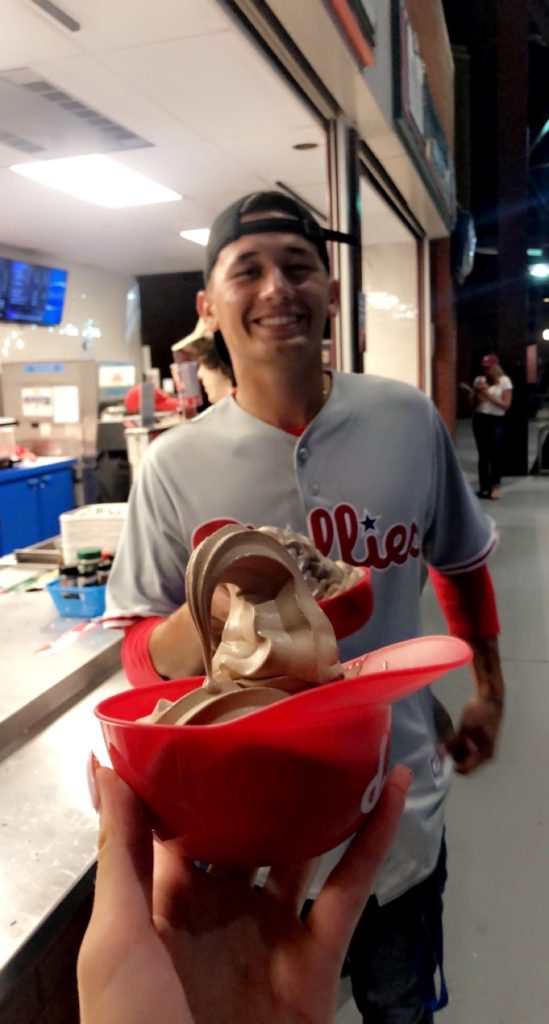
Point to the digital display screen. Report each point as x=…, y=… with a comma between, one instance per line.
x=115, y=380
x=116, y=375
x=31, y=294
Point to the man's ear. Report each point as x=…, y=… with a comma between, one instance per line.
x=205, y=309
x=333, y=299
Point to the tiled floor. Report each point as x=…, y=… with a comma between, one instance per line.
x=497, y=902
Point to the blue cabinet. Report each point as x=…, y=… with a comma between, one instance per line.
x=56, y=495
x=31, y=500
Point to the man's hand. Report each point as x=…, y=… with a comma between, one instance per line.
x=172, y=944
x=474, y=741
x=174, y=646
x=220, y=609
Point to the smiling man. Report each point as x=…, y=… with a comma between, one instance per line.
x=365, y=467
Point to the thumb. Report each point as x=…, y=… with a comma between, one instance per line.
x=121, y=908
x=123, y=888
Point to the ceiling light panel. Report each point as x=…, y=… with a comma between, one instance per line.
x=97, y=179
x=199, y=236
x=57, y=14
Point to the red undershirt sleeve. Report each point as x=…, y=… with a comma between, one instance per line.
x=136, y=659
x=468, y=602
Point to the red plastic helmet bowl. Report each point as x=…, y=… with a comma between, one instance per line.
x=282, y=784
x=351, y=609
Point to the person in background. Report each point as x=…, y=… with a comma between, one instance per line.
x=491, y=395
x=162, y=401
x=364, y=466
x=214, y=375
x=174, y=944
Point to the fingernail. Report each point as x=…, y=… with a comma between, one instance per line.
x=403, y=777
x=91, y=768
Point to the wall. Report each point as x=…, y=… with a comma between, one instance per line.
x=109, y=302
x=365, y=96
x=168, y=312
x=427, y=17
x=444, y=326
x=391, y=285
x=379, y=77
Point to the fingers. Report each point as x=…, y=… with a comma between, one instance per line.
x=175, y=878
x=464, y=753
x=245, y=876
x=290, y=883
x=469, y=758
x=336, y=912
x=470, y=748
x=220, y=604
x=124, y=862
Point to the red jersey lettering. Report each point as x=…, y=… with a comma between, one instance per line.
x=344, y=526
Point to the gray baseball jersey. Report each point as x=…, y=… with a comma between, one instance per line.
x=374, y=480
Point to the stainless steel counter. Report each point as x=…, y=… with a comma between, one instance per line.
x=48, y=828
x=54, y=672
x=46, y=660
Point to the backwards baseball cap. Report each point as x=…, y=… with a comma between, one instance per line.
x=298, y=220
x=199, y=334
x=490, y=360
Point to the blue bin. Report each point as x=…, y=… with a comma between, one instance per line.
x=77, y=602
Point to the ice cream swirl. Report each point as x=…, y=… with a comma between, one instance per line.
x=275, y=633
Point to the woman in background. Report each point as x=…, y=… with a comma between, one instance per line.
x=491, y=395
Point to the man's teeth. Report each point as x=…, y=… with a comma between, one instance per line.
x=278, y=321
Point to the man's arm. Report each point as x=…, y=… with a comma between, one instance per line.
x=468, y=602
x=139, y=666
x=174, y=644
x=478, y=729
x=158, y=648
x=147, y=582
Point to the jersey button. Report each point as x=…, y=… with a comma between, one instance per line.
x=303, y=454
x=314, y=489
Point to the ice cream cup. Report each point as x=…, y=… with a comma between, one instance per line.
x=351, y=609
x=284, y=783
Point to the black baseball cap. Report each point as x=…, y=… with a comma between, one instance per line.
x=228, y=225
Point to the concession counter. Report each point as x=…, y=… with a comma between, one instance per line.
x=54, y=671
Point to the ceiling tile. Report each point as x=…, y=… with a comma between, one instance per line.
x=197, y=171
x=106, y=91
x=218, y=85
x=107, y=25
x=28, y=35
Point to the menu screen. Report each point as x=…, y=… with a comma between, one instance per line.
x=30, y=293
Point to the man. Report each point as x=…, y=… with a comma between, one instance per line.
x=365, y=466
